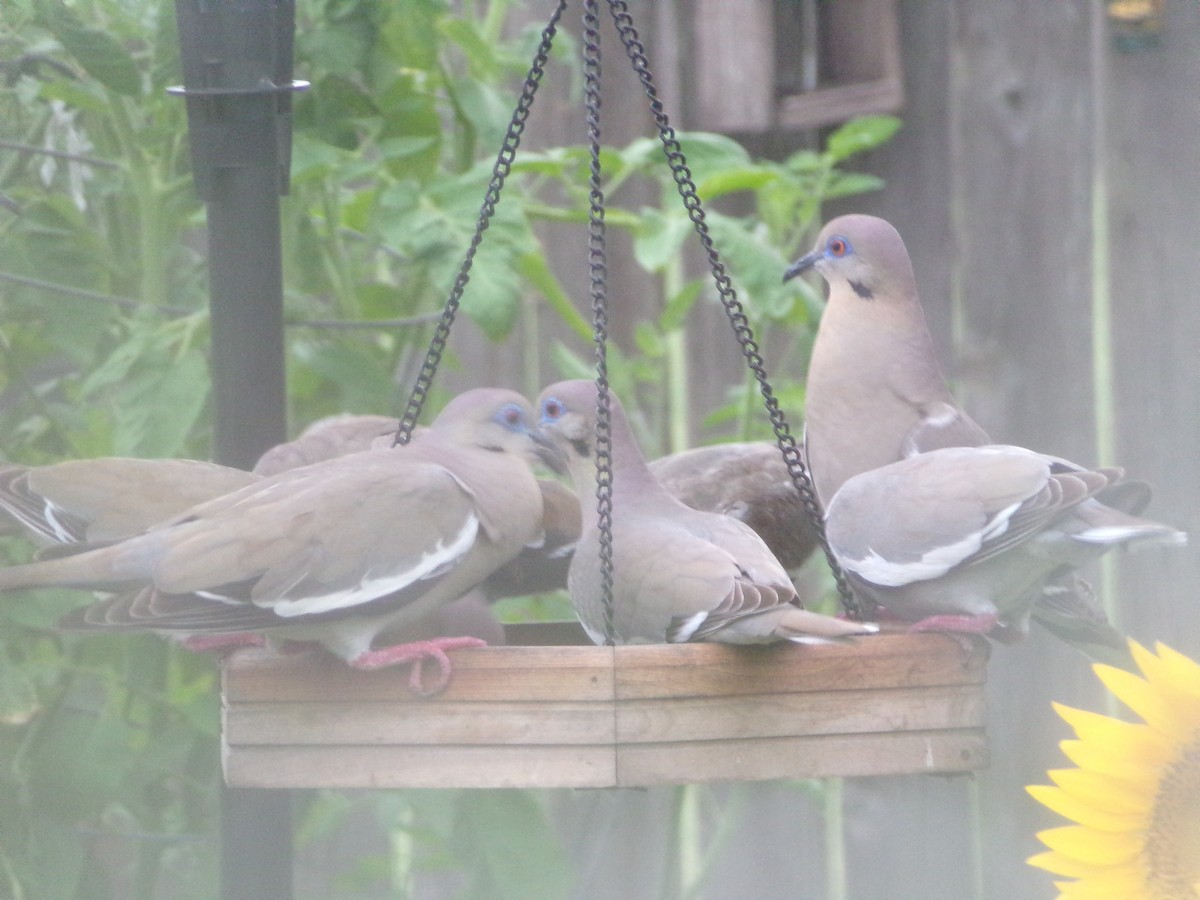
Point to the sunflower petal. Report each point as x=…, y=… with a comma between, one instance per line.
x=1100, y=729
x=1064, y=865
x=1111, y=887
x=1141, y=697
x=1092, y=812
x=1175, y=677
x=1150, y=752
x=1128, y=780
x=1181, y=670
x=1089, y=846
x=1113, y=794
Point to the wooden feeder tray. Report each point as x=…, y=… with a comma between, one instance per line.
x=530, y=716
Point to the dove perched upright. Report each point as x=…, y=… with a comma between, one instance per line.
x=679, y=574
x=874, y=393
x=975, y=538
x=337, y=551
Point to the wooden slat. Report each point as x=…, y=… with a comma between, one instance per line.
x=878, y=661
x=777, y=715
x=486, y=673
x=836, y=104
x=365, y=723
x=578, y=716
x=334, y=766
x=824, y=756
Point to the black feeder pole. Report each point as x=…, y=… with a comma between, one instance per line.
x=237, y=74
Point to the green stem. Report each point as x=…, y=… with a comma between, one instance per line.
x=1103, y=370
x=975, y=812
x=152, y=236
x=835, y=840
x=677, y=366
x=689, y=842
x=402, y=855
x=729, y=820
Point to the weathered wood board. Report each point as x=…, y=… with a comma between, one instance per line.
x=583, y=716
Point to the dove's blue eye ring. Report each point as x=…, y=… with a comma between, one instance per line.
x=837, y=247
x=552, y=409
x=512, y=416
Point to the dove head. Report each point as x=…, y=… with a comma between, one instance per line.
x=567, y=425
x=567, y=422
x=491, y=418
x=861, y=254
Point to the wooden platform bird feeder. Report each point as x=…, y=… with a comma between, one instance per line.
x=544, y=711
x=528, y=716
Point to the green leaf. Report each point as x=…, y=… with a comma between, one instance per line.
x=159, y=407
x=18, y=696
x=804, y=162
x=860, y=135
x=658, y=237
x=731, y=181
x=493, y=296
x=57, y=859
x=707, y=154
x=756, y=267
x=649, y=340
x=484, y=109
x=357, y=377
x=480, y=52
x=536, y=270
x=514, y=851
x=99, y=52
x=639, y=152
x=312, y=158
x=41, y=609
x=852, y=183
x=678, y=307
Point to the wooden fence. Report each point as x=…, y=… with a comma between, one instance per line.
x=1047, y=186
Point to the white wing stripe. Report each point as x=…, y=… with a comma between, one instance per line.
x=369, y=588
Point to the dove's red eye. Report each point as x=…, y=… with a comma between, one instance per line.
x=552, y=409
x=838, y=246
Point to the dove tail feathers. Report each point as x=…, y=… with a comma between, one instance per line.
x=1104, y=524
x=91, y=570
x=804, y=627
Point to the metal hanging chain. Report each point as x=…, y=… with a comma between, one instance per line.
x=598, y=290
x=500, y=171
x=733, y=307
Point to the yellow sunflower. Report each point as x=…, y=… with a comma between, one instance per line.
x=1136, y=792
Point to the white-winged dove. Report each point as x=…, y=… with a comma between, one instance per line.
x=748, y=481
x=966, y=538
x=337, y=551
x=679, y=574
x=80, y=504
x=96, y=501
x=875, y=397
x=328, y=438
x=874, y=393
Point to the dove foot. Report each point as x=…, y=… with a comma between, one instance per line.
x=981, y=624
x=220, y=643
x=416, y=653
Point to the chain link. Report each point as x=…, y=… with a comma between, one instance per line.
x=598, y=289
x=500, y=171
x=597, y=266
x=733, y=307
